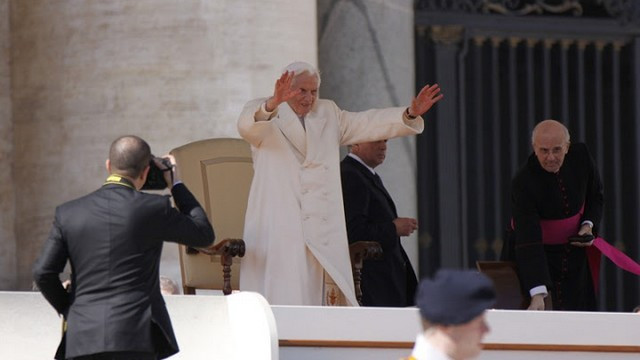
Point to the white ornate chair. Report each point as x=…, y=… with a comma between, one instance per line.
x=218, y=172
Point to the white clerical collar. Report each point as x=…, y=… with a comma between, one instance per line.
x=424, y=350
x=357, y=158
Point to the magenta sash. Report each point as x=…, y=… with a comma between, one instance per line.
x=556, y=232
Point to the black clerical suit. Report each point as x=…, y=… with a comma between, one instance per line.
x=369, y=212
x=541, y=195
x=113, y=240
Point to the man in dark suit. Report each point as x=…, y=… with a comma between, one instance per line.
x=371, y=216
x=113, y=240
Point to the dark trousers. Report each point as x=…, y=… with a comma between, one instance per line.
x=119, y=355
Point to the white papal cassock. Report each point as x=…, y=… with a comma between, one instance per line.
x=294, y=226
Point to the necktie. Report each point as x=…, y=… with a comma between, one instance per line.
x=378, y=180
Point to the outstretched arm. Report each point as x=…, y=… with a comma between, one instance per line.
x=253, y=123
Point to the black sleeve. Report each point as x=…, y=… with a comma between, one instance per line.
x=188, y=224
x=594, y=196
x=529, y=250
x=356, y=194
x=47, y=269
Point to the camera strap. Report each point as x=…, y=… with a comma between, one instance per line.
x=119, y=180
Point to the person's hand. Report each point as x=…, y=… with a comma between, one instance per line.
x=282, y=91
x=585, y=229
x=171, y=176
x=428, y=96
x=405, y=226
x=537, y=302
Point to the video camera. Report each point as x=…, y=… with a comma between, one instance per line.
x=155, y=178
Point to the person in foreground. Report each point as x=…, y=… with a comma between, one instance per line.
x=297, y=250
x=556, y=195
x=452, y=308
x=371, y=216
x=113, y=240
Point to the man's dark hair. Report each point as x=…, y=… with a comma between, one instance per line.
x=129, y=155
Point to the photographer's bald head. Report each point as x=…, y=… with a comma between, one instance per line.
x=130, y=157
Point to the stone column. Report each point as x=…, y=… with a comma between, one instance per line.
x=7, y=198
x=170, y=71
x=366, y=58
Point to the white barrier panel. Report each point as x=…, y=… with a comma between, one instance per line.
x=235, y=327
x=314, y=333
x=241, y=326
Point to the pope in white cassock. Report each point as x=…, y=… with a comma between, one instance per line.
x=296, y=242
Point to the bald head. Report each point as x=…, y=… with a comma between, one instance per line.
x=550, y=140
x=129, y=155
x=550, y=128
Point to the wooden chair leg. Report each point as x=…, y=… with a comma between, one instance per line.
x=360, y=251
x=357, y=276
x=226, y=260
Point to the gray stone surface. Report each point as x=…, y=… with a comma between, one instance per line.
x=7, y=198
x=85, y=72
x=366, y=59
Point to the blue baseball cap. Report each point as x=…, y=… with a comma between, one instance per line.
x=454, y=297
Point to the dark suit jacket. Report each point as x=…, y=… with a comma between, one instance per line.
x=113, y=240
x=370, y=212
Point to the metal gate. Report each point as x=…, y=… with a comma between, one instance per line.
x=504, y=66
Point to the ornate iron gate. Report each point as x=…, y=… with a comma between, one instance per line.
x=504, y=66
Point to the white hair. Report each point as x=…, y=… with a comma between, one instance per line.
x=300, y=67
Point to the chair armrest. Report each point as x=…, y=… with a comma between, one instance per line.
x=360, y=251
x=364, y=250
x=227, y=249
x=231, y=247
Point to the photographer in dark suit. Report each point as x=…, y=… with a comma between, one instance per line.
x=113, y=240
x=371, y=216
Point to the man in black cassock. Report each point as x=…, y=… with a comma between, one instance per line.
x=558, y=182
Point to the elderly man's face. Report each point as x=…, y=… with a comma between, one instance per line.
x=468, y=337
x=372, y=153
x=303, y=102
x=550, y=148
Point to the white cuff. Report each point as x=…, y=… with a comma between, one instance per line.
x=542, y=289
x=589, y=222
x=263, y=115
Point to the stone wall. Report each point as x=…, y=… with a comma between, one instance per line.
x=366, y=57
x=171, y=71
x=7, y=198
